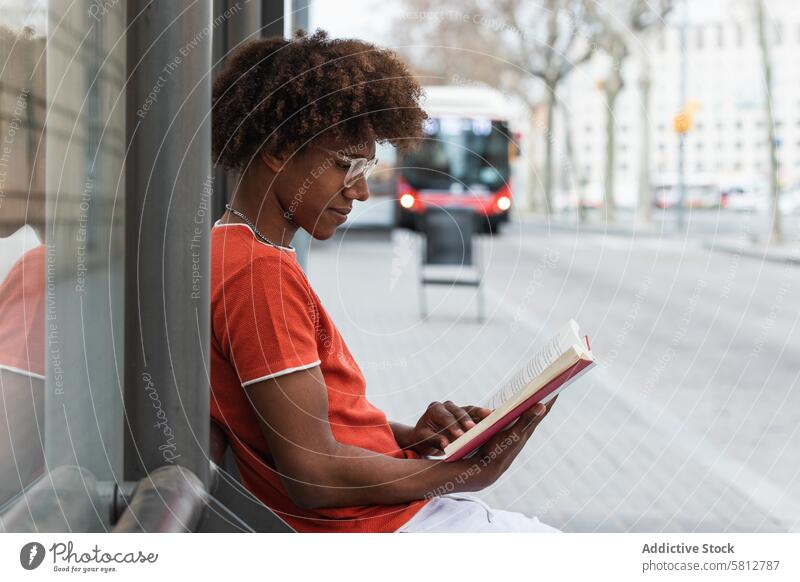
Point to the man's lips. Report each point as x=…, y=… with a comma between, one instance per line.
x=344, y=211
x=340, y=213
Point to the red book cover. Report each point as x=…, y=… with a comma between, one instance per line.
x=560, y=381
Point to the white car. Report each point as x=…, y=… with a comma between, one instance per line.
x=749, y=201
x=744, y=200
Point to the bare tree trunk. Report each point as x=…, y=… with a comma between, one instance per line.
x=611, y=146
x=776, y=235
x=574, y=174
x=548, y=151
x=532, y=175
x=612, y=86
x=645, y=210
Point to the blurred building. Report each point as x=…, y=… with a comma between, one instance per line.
x=725, y=81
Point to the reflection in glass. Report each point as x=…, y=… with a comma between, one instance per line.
x=61, y=258
x=22, y=206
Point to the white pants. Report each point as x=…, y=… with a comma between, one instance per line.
x=460, y=512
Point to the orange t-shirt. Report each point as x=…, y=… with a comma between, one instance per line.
x=22, y=315
x=267, y=321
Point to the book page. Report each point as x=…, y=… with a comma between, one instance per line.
x=551, y=351
x=561, y=365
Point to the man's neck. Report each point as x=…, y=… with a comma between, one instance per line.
x=264, y=210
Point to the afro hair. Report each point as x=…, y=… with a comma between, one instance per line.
x=278, y=95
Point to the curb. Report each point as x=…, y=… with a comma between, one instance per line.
x=783, y=255
x=789, y=253
x=594, y=229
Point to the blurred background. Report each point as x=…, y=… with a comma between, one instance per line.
x=631, y=164
x=637, y=164
x=625, y=112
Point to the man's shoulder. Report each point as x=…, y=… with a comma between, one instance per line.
x=235, y=249
x=239, y=262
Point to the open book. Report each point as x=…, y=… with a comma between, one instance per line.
x=564, y=359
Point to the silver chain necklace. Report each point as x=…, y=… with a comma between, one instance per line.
x=257, y=232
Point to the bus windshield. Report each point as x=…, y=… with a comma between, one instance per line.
x=459, y=154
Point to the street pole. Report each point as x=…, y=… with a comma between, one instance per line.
x=774, y=186
x=682, y=135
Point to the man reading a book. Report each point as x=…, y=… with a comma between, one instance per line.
x=296, y=121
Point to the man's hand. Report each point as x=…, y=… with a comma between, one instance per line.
x=441, y=424
x=494, y=460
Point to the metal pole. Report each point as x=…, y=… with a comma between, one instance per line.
x=219, y=50
x=168, y=207
x=244, y=24
x=272, y=18
x=682, y=135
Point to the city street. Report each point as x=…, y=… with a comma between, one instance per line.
x=690, y=420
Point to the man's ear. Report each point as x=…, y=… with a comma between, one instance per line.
x=273, y=162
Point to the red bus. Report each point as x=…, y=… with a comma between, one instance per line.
x=464, y=159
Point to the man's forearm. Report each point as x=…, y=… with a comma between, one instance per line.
x=356, y=476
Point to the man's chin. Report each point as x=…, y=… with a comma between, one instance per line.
x=319, y=232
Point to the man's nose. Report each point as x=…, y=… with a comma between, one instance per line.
x=358, y=191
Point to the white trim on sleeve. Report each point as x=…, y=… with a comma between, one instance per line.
x=21, y=371
x=281, y=373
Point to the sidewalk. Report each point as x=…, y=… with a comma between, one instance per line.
x=746, y=247
x=607, y=458
x=742, y=241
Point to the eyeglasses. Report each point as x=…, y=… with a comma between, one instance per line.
x=358, y=167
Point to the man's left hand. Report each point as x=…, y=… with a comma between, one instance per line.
x=442, y=423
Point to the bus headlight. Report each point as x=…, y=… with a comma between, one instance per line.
x=504, y=203
x=406, y=200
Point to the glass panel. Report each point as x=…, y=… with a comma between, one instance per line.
x=22, y=210
x=61, y=257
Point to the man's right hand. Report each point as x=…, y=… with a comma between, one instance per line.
x=497, y=454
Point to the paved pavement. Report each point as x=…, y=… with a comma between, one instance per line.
x=739, y=233
x=688, y=423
